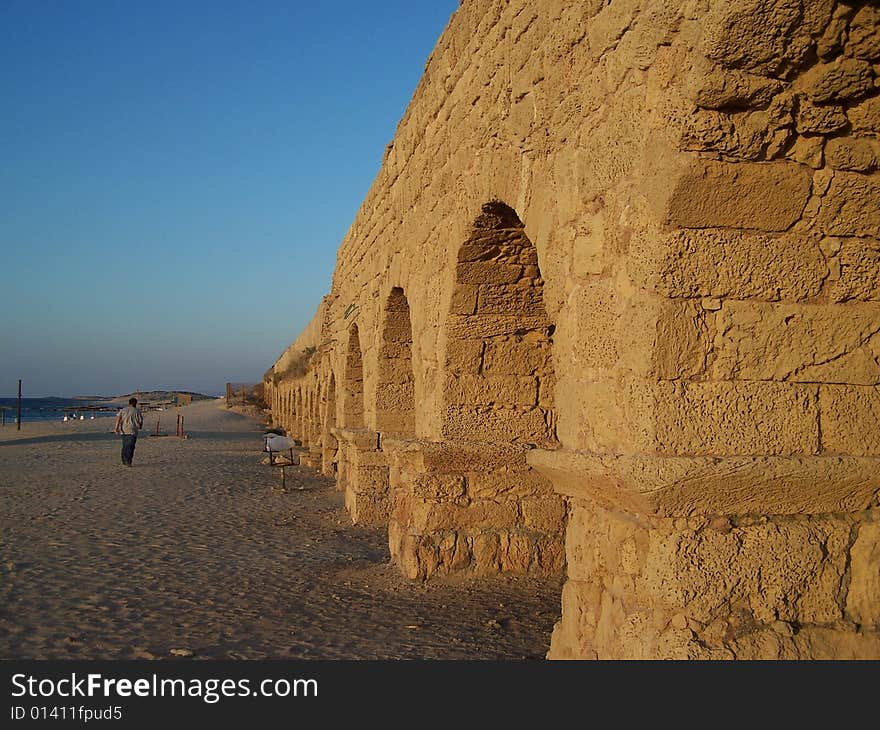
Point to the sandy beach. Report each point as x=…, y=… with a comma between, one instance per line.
x=197, y=550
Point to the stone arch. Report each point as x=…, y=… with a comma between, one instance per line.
x=499, y=379
x=498, y=384
x=316, y=420
x=329, y=444
x=299, y=420
x=353, y=400
x=395, y=391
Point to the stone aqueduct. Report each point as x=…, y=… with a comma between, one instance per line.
x=612, y=307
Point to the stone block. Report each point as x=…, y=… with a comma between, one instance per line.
x=606, y=28
x=451, y=457
x=408, y=557
x=843, y=79
x=857, y=274
x=865, y=117
x=438, y=487
x=863, y=40
x=721, y=263
x=511, y=357
x=819, y=119
x=395, y=396
x=516, y=553
x=574, y=637
x=719, y=88
x=464, y=299
x=395, y=422
x=476, y=516
x=767, y=197
x=762, y=36
x=544, y=514
x=464, y=356
x=831, y=38
x=588, y=248
x=486, y=249
x=367, y=509
x=808, y=151
x=599, y=424
x=863, y=597
x=428, y=557
x=850, y=419
x=811, y=343
x=477, y=326
x=397, y=350
x=511, y=298
x=734, y=418
x=530, y=426
x=366, y=459
x=396, y=327
x=594, y=332
x=485, y=547
x=447, y=549
x=663, y=339
x=508, y=390
x=848, y=153
x=849, y=208
x=551, y=555
x=485, y=272
x=369, y=479
x=395, y=371
x=360, y=438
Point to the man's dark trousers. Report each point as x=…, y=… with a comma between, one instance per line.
x=128, y=442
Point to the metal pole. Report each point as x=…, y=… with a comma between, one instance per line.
x=19, y=405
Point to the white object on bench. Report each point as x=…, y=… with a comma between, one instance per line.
x=274, y=442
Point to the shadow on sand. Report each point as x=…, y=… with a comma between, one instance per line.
x=60, y=438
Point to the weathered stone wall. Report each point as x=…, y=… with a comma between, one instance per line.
x=620, y=269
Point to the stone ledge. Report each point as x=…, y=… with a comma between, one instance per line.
x=458, y=455
x=361, y=437
x=736, y=485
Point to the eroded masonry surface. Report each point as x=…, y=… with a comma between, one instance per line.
x=611, y=311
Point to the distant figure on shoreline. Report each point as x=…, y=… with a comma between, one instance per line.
x=129, y=421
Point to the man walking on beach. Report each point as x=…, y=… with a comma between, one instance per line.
x=128, y=422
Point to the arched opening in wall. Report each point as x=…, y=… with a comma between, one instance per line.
x=353, y=401
x=473, y=502
x=316, y=431
x=395, y=392
x=298, y=415
x=499, y=371
x=329, y=443
x=308, y=415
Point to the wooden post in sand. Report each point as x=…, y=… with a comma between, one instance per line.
x=19, y=405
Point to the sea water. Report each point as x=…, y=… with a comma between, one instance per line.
x=55, y=409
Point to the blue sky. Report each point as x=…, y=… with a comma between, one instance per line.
x=176, y=177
